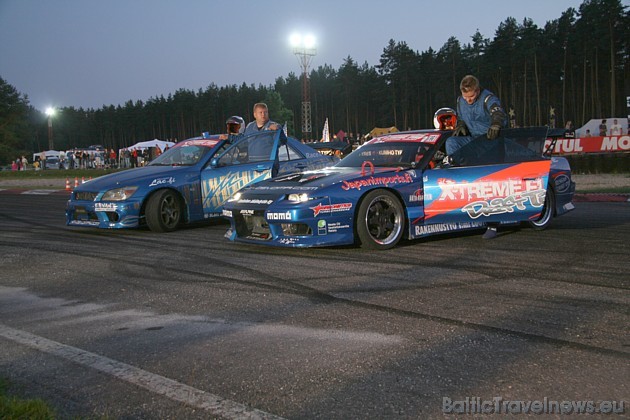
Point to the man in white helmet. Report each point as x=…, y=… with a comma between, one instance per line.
x=235, y=125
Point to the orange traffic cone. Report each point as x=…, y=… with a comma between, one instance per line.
x=76, y=181
x=82, y=180
x=67, y=184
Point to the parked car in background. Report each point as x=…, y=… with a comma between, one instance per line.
x=189, y=182
x=52, y=163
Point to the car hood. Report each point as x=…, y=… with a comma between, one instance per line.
x=132, y=177
x=308, y=181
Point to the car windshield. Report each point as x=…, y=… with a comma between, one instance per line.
x=185, y=155
x=390, y=154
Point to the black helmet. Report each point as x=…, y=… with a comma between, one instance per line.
x=235, y=124
x=445, y=119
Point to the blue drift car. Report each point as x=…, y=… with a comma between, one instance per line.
x=396, y=187
x=189, y=182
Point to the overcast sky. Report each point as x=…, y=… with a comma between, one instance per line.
x=90, y=53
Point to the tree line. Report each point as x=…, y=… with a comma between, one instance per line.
x=575, y=67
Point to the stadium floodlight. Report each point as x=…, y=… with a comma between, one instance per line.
x=304, y=50
x=50, y=112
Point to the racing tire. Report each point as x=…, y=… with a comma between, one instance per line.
x=380, y=220
x=163, y=212
x=546, y=215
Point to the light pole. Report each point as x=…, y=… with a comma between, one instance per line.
x=304, y=49
x=50, y=111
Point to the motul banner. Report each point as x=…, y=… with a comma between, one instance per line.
x=612, y=144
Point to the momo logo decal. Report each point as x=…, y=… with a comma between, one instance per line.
x=279, y=216
x=326, y=208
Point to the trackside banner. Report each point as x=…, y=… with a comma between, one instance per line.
x=609, y=144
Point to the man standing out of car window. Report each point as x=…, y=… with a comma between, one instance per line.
x=261, y=120
x=479, y=112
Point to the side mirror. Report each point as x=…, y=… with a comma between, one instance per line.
x=214, y=163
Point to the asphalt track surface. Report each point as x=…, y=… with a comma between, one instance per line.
x=133, y=324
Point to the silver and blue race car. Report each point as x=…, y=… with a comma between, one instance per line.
x=189, y=182
x=399, y=186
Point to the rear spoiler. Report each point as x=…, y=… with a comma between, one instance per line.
x=554, y=134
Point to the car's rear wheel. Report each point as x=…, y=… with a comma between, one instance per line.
x=380, y=220
x=546, y=216
x=163, y=212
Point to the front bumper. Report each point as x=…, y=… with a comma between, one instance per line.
x=104, y=215
x=288, y=226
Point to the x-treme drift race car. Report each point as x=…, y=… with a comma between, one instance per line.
x=392, y=187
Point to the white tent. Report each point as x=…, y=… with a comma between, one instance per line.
x=49, y=154
x=152, y=143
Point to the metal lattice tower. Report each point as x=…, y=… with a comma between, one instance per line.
x=305, y=56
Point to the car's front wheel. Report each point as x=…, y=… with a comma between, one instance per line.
x=380, y=220
x=163, y=211
x=546, y=215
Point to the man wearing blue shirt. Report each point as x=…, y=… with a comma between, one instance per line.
x=479, y=113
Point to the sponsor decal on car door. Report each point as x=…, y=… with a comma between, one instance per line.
x=225, y=182
x=248, y=161
x=507, y=192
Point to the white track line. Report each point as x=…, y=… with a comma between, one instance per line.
x=158, y=384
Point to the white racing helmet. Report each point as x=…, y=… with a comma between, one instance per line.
x=445, y=119
x=235, y=125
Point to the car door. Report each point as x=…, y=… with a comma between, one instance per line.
x=250, y=159
x=511, y=188
x=493, y=193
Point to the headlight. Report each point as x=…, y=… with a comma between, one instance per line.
x=119, y=194
x=298, y=198
x=235, y=197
